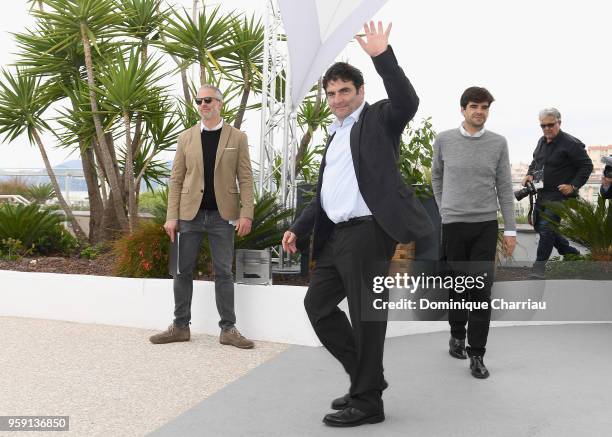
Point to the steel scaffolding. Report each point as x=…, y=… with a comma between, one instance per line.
x=278, y=141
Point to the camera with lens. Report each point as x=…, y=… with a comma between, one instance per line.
x=608, y=169
x=531, y=188
x=528, y=190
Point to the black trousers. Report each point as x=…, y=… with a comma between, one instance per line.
x=470, y=249
x=348, y=263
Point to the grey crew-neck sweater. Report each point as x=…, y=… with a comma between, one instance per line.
x=469, y=175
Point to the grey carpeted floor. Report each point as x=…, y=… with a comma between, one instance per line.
x=545, y=381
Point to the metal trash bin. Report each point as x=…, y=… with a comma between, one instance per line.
x=253, y=266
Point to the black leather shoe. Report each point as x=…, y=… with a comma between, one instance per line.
x=343, y=401
x=478, y=368
x=352, y=417
x=457, y=348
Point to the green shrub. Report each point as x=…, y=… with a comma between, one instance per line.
x=416, y=155
x=155, y=203
x=578, y=267
x=144, y=254
x=269, y=224
x=36, y=228
x=587, y=224
x=12, y=250
x=148, y=200
x=40, y=193
x=90, y=252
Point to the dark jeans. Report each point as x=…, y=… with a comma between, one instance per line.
x=348, y=263
x=221, y=239
x=548, y=237
x=470, y=249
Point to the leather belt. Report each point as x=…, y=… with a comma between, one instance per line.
x=355, y=221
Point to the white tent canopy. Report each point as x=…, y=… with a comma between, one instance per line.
x=317, y=30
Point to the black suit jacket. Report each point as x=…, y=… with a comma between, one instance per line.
x=375, y=139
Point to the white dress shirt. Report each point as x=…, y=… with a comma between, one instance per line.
x=217, y=127
x=465, y=133
x=340, y=195
x=478, y=134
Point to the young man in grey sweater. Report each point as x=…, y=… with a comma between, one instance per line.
x=471, y=172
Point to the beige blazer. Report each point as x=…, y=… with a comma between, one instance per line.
x=233, y=176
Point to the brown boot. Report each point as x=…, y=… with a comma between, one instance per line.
x=233, y=337
x=171, y=335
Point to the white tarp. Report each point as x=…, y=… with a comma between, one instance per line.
x=317, y=30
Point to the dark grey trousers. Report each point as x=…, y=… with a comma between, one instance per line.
x=221, y=238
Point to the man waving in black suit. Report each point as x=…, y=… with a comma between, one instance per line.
x=362, y=208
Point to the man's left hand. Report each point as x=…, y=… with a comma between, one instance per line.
x=243, y=226
x=566, y=189
x=376, y=41
x=509, y=244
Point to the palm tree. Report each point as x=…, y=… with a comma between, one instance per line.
x=141, y=20
x=64, y=70
x=128, y=87
x=22, y=105
x=41, y=193
x=205, y=40
x=587, y=224
x=311, y=116
x=87, y=21
x=59, y=54
x=269, y=224
x=246, y=60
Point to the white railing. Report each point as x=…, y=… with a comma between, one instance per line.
x=14, y=198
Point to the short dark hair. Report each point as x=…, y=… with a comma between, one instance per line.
x=344, y=71
x=476, y=94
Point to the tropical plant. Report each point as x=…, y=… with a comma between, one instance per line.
x=40, y=193
x=204, y=41
x=314, y=113
x=90, y=252
x=95, y=56
x=587, y=224
x=129, y=88
x=86, y=22
x=145, y=253
x=157, y=204
x=149, y=200
x=100, y=60
x=244, y=63
x=22, y=104
x=35, y=228
x=12, y=250
x=416, y=153
x=269, y=224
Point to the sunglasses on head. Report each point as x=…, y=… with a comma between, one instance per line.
x=206, y=100
x=549, y=125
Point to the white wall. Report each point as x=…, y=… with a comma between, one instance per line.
x=271, y=313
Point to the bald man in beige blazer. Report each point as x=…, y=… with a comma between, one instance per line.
x=210, y=192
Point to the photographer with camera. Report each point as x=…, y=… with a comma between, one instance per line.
x=559, y=168
x=606, y=178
